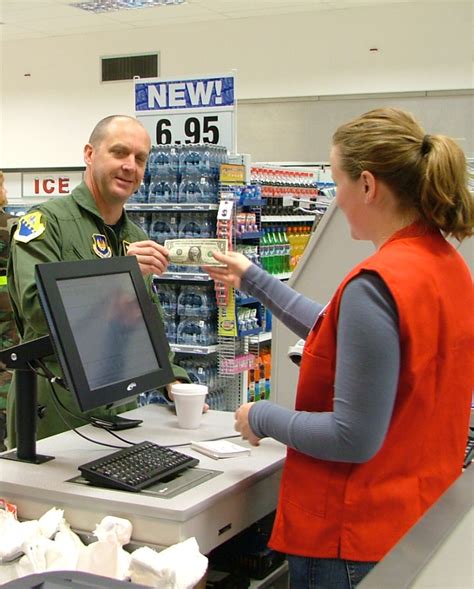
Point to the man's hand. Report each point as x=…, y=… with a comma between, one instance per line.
x=242, y=424
x=151, y=256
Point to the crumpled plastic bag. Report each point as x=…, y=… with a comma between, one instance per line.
x=8, y=572
x=102, y=558
x=27, y=547
x=34, y=559
x=13, y=534
x=50, y=521
x=69, y=544
x=106, y=556
x=48, y=544
x=114, y=529
x=180, y=566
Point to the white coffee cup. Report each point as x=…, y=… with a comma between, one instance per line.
x=189, y=402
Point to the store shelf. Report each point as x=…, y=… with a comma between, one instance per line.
x=246, y=301
x=287, y=218
x=283, y=275
x=249, y=235
x=264, y=336
x=252, y=202
x=188, y=349
x=172, y=206
x=183, y=276
x=25, y=202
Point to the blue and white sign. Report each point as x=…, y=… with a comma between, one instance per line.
x=187, y=111
x=178, y=94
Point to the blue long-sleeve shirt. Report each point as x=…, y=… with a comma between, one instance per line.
x=367, y=369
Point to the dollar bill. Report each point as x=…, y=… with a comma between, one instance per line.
x=195, y=252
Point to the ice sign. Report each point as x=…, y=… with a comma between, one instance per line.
x=153, y=96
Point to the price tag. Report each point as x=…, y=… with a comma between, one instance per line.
x=188, y=111
x=232, y=174
x=188, y=128
x=225, y=210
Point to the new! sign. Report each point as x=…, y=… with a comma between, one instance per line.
x=157, y=95
x=187, y=111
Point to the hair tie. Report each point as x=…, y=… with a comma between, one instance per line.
x=426, y=145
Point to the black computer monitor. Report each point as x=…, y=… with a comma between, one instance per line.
x=106, y=332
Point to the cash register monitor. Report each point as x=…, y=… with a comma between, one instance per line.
x=106, y=332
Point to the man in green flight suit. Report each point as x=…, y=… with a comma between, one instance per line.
x=89, y=223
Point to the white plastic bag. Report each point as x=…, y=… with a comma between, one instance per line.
x=180, y=566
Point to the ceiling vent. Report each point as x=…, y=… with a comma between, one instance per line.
x=127, y=67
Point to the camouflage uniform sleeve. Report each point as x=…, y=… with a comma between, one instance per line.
x=8, y=332
x=21, y=276
x=6, y=314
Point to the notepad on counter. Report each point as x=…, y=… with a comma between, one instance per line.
x=220, y=449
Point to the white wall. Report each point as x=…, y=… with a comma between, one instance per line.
x=46, y=118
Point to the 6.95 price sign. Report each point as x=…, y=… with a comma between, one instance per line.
x=187, y=111
x=193, y=128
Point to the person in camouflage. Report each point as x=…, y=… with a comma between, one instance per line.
x=89, y=223
x=8, y=332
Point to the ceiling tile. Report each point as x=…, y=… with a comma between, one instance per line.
x=32, y=18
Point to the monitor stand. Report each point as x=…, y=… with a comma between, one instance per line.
x=22, y=359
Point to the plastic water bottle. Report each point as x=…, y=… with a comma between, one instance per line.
x=205, y=163
x=189, y=191
x=151, y=162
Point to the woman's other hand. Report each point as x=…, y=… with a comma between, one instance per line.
x=242, y=424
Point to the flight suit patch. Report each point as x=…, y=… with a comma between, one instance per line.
x=100, y=246
x=29, y=227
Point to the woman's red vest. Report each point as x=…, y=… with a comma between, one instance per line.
x=359, y=511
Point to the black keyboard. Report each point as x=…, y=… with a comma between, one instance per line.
x=137, y=467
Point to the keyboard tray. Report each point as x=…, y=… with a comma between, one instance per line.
x=136, y=467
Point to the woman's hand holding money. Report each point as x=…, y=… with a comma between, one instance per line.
x=151, y=256
x=235, y=267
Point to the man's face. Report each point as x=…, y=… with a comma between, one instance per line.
x=116, y=165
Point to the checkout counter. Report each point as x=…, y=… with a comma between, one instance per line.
x=213, y=501
x=220, y=498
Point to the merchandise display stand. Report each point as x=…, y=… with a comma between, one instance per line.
x=270, y=221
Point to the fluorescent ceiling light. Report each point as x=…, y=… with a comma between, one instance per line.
x=113, y=5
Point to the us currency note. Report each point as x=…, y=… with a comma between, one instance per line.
x=195, y=252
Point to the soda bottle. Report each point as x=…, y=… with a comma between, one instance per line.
x=272, y=258
x=278, y=251
x=264, y=250
x=251, y=387
x=291, y=242
x=286, y=250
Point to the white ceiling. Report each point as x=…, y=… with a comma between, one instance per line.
x=32, y=19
